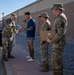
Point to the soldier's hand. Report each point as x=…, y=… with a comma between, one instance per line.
x=40, y=42
x=48, y=40
x=21, y=28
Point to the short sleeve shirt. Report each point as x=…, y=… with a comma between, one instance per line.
x=31, y=23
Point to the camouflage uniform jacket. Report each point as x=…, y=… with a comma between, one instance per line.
x=13, y=27
x=7, y=31
x=46, y=26
x=60, y=27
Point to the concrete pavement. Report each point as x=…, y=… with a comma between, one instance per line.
x=20, y=65
x=68, y=53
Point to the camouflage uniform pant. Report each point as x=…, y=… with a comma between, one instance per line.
x=7, y=45
x=44, y=52
x=57, y=57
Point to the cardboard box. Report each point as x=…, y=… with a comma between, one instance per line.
x=45, y=34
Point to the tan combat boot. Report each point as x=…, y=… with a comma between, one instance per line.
x=45, y=68
x=43, y=64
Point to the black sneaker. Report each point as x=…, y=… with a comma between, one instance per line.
x=10, y=56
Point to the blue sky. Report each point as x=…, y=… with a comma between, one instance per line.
x=8, y=6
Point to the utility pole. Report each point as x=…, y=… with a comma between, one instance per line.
x=2, y=15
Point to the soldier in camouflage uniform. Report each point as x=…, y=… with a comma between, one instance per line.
x=59, y=40
x=44, y=44
x=7, y=37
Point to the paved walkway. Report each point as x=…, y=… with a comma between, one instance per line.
x=20, y=65
x=68, y=53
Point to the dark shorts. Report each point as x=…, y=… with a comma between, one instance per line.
x=31, y=38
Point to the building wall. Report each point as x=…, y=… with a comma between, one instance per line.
x=44, y=6
x=39, y=5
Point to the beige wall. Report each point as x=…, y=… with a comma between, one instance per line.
x=39, y=5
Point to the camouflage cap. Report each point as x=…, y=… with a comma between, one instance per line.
x=44, y=14
x=13, y=14
x=58, y=6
